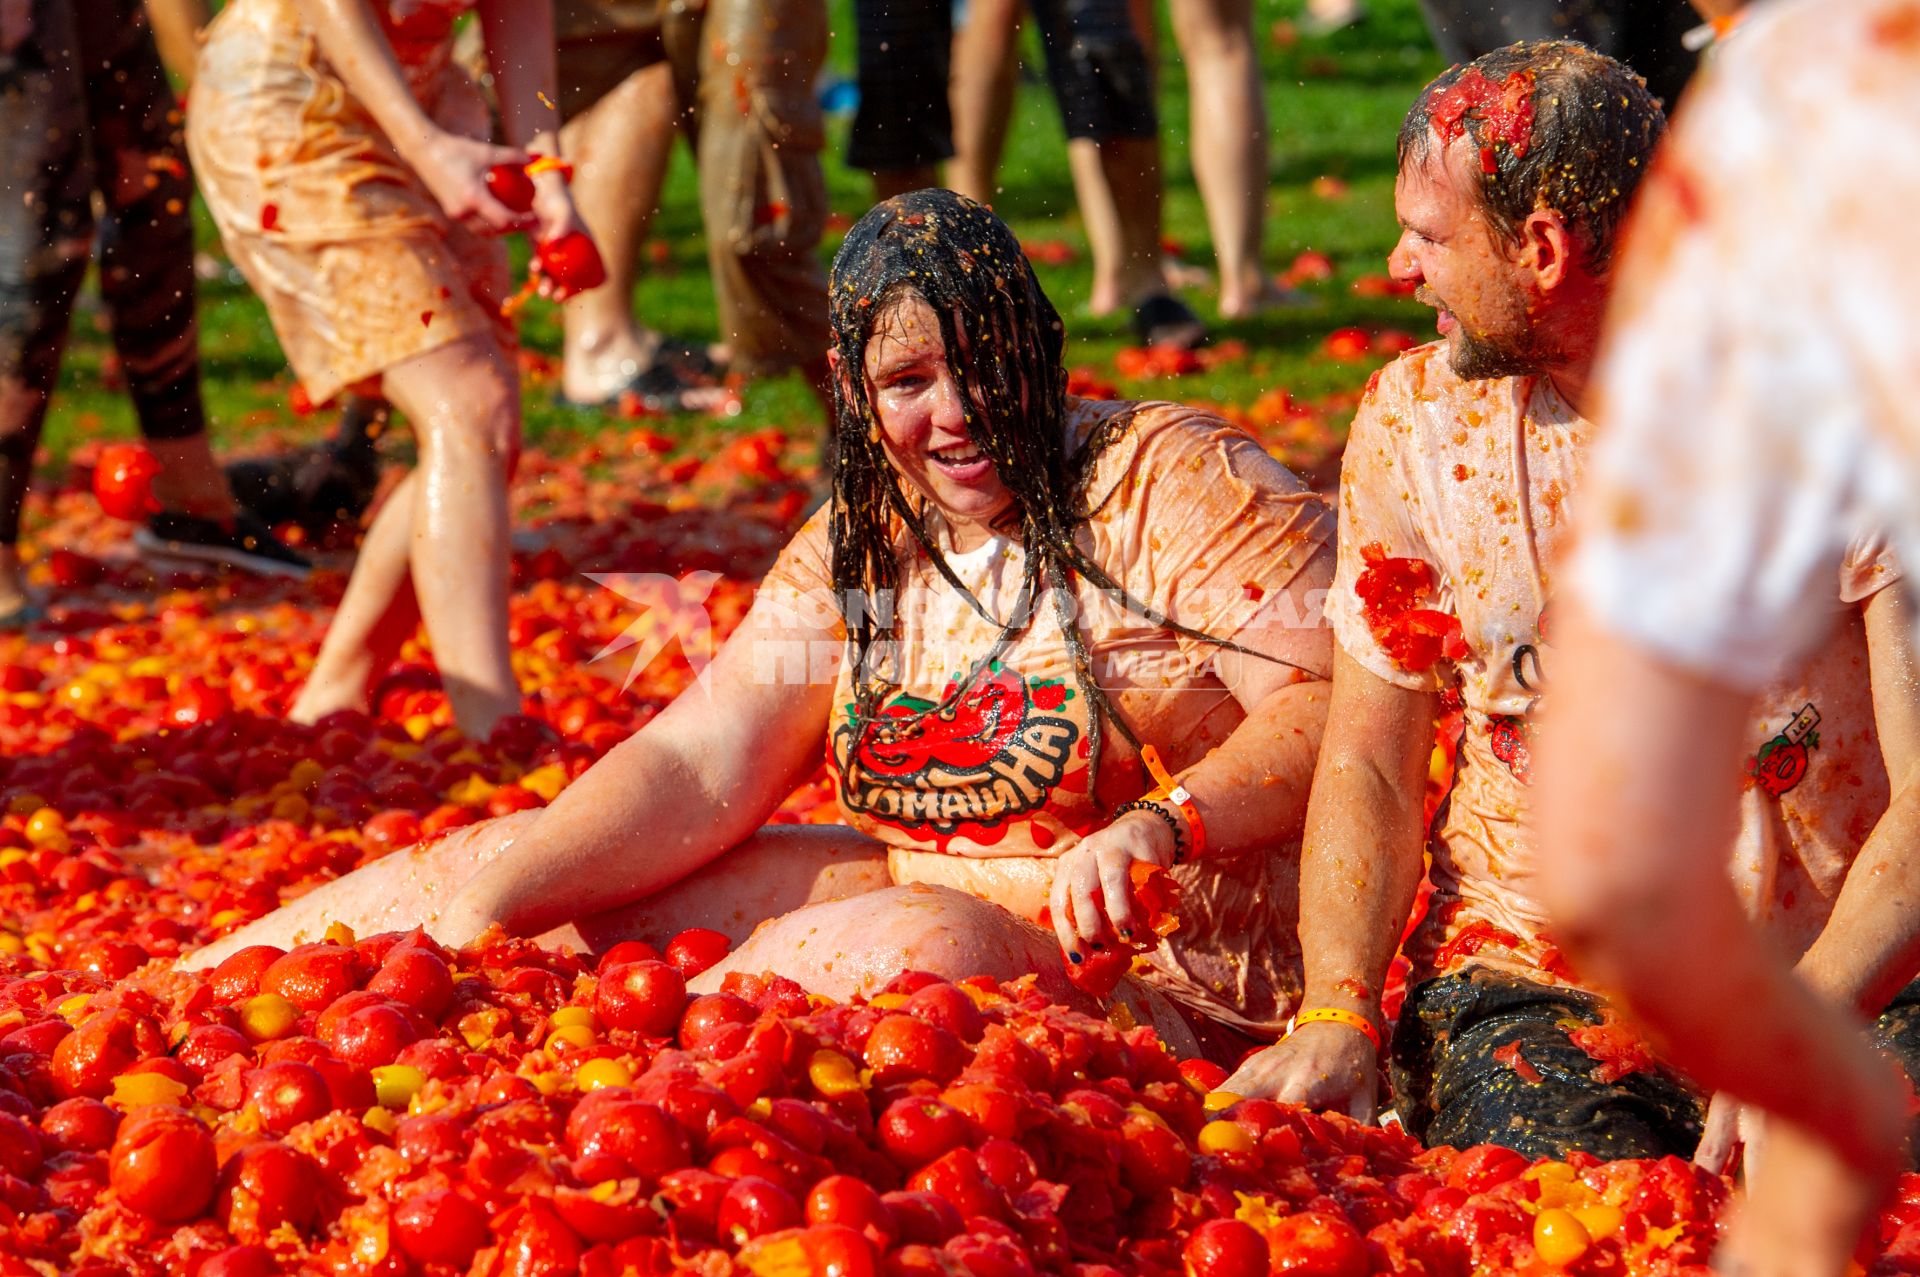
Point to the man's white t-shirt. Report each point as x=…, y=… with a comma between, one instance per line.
x=1760, y=386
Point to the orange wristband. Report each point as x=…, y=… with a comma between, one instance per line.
x=1336, y=1015
x=1167, y=789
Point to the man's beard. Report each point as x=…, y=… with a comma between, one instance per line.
x=1481, y=358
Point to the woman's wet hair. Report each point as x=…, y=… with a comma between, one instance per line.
x=1004, y=344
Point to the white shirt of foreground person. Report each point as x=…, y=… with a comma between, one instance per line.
x=1760, y=390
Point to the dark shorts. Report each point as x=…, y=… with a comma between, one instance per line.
x=1458, y=1080
x=1645, y=34
x=1096, y=64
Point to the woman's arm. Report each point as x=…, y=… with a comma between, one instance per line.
x=677, y=794
x=1250, y=789
x=453, y=168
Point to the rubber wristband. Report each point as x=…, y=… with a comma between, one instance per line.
x=549, y=164
x=1167, y=789
x=1337, y=1015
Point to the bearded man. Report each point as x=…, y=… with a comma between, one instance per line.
x=1462, y=465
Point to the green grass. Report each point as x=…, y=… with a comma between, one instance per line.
x=1334, y=106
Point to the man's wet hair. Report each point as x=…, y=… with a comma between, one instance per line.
x=1588, y=132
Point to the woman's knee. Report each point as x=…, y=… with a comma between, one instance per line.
x=465, y=405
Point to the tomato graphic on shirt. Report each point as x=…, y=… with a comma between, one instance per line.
x=1782, y=762
x=965, y=764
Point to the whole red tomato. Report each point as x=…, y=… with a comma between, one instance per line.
x=79, y=1125
x=957, y=1177
x=21, y=1148
x=163, y=1164
x=440, y=1226
x=417, y=977
x=618, y=956
x=510, y=184
x=312, y=976
x=647, y=998
x=287, y=1094
x=241, y=1261
x=696, y=949
x=916, y=1130
x=1484, y=1166
x=621, y=1137
x=1225, y=1248
x=901, y=1048
x=373, y=1036
x=754, y=1206
x=572, y=263
x=947, y=1006
x=237, y=978
x=266, y=1186
x=850, y=1200
x=1316, y=1244
x=710, y=1013
x=123, y=481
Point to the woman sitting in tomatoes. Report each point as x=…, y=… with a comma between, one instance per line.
x=1013, y=604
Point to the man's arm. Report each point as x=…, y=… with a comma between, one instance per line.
x=176, y=29
x=1360, y=866
x=1870, y=947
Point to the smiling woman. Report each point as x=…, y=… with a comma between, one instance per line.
x=1029, y=600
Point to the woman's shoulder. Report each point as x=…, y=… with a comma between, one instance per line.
x=1169, y=444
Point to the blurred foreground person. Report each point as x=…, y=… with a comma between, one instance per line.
x=85, y=111
x=1016, y=604
x=343, y=155
x=1463, y=464
x=1760, y=410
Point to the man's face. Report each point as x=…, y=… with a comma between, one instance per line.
x=1464, y=268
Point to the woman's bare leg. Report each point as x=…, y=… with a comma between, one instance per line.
x=779, y=869
x=376, y=615
x=850, y=948
x=619, y=147
x=1229, y=140
x=444, y=534
x=986, y=69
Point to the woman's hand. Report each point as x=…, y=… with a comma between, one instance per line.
x=454, y=169
x=1320, y=1066
x=1092, y=898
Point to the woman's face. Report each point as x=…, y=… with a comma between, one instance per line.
x=922, y=423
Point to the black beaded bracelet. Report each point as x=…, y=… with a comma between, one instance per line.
x=1173, y=822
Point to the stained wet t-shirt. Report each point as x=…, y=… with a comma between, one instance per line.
x=1476, y=479
x=978, y=776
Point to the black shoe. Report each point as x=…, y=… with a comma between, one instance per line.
x=316, y=487
x=245, y=543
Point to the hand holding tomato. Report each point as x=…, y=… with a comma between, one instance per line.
x=457, y=171
x=1321, y=1066
x=123, y=481
x=1093, y=900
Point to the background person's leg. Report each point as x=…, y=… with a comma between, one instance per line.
x=46, y=241
x=619, y=147
x=986, y=71
x=1228, y=136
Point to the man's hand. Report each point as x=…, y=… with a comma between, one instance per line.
x=1730, y=1136
x=1321, y=1066
x=1092, y=898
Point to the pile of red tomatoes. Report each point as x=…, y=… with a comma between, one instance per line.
x=381, y=1106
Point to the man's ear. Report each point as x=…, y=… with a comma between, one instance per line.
x=1549, y=247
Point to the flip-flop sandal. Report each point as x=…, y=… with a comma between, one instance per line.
x=1165, y=320
x=660, y=386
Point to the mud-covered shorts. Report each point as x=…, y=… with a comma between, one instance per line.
x=1483, y=1057
x=746, y=70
